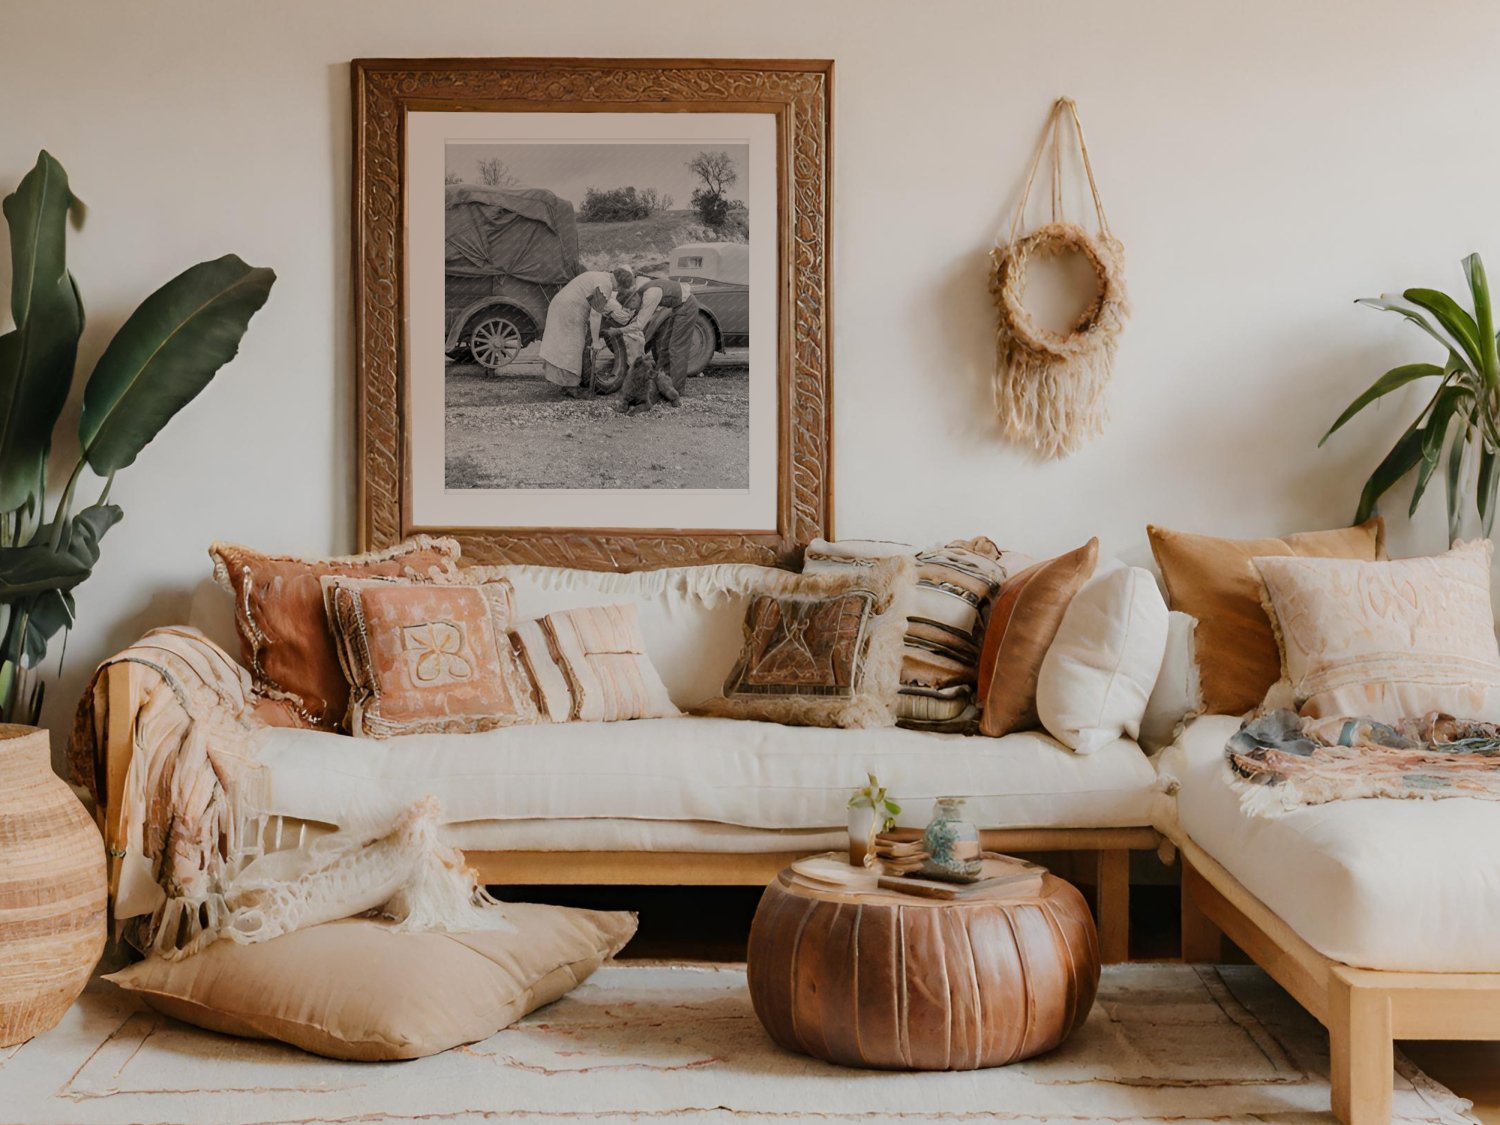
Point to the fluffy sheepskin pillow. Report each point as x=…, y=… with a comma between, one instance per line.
x=1388, y=640
x=357, y=990
x=823, y=650
x=1099, y=672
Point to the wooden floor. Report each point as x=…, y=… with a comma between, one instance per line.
x=713, y=924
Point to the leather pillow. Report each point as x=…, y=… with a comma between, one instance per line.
x=285, y=639
x=1025, y=619
x=1215, y=581
x=357, y=990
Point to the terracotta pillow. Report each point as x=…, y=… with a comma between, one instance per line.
x=1388, y=640
x=590, y=665
x=285, y=640
x=824, y=649
x=1214, y=580
x=357, y=990
x=427, y=657
x=1025, y=618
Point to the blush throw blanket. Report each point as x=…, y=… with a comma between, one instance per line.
x=1281, y=761
x=197, y=860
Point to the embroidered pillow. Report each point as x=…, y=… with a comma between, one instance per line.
x=956, y=584
x=284, y=635
x=1387, y=640
x=1026, y=617
x=590, y=665
x=1214, y=580
x=425, y=657
x=823, y=649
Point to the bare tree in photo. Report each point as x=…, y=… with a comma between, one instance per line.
x=716, y=170
x=494, y=172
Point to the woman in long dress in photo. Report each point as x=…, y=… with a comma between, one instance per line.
x=569, y=330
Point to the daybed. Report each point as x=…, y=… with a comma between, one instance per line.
x=1378, y=915
x=672, y=801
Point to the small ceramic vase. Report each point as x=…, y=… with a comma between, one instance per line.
x=951, y=843
x=861, y=832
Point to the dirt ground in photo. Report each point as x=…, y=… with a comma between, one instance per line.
x=513, y=429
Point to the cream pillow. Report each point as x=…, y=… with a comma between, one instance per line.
x=1388, y=640
x=1177, y=695
x=1099, y=670
x=590, y=666
x=357, y=990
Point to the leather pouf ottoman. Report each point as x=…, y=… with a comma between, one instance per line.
x=889, y=980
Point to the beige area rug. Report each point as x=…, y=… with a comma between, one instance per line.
x=649, y=1042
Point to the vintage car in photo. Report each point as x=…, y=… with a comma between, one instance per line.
x=507, y=252
x=719, y=276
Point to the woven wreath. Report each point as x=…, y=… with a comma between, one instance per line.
x=1049, y=386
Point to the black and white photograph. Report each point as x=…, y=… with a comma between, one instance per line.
x=596, y=315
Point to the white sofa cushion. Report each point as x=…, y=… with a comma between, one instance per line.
x=1378, y=884
x=731, y=771
x=1101, y=665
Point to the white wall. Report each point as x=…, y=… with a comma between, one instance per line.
x=1264, y=164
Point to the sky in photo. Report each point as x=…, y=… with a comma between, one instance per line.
x=569, y=168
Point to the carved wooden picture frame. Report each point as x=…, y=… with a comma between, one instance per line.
x=795, y=94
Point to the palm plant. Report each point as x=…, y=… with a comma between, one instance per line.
x=1458, y=426
x=163, y=355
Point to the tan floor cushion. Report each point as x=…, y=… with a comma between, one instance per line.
x=358, y=990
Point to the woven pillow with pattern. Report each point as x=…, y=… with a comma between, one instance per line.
x=426, y=657
x=956, y=585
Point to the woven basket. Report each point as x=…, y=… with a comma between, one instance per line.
x=52, y=889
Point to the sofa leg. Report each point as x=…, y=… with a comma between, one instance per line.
x=1361, y=1052
x=1202, y=941
x=1112, y=886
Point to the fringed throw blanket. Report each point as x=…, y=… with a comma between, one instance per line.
x=190, y=840
x=1281, y=761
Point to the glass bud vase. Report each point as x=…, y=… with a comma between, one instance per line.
x=951, y=843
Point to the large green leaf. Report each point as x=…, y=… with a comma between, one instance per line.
x=1448, y=402
x=1402, y=458
x=1392, y=380
x=1488, y=480
x=37, y=356
x=1454, y=480
x=1484, y=317
x=164, y=355
x=37, y=567
x=1390, y=302
x=1454, y=318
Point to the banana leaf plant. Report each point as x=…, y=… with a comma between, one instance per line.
x=164, y=354
x=1457, y=428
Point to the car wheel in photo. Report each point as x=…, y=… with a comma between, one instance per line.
x=701, y=345
x=495, y=340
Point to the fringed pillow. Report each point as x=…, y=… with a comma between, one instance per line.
x=823, y=649
x=285, y=639
x=424, y=657
x=955, y=586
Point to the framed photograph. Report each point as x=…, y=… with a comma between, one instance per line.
x=592, y=307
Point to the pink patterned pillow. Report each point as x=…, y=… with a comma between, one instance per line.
x=590, y=665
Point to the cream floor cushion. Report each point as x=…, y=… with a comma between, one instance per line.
x=1379, y=884
x=728, y=771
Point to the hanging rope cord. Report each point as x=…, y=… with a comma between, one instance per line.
x=1051, y=138
x=1049, y=386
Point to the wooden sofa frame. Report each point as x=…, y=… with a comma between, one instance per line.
x=1111, y=846
x=1364, y=1010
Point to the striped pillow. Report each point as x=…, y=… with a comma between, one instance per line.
x=956, y=584
x=590, y=665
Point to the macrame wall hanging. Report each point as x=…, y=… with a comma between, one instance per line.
x=1049, y=386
